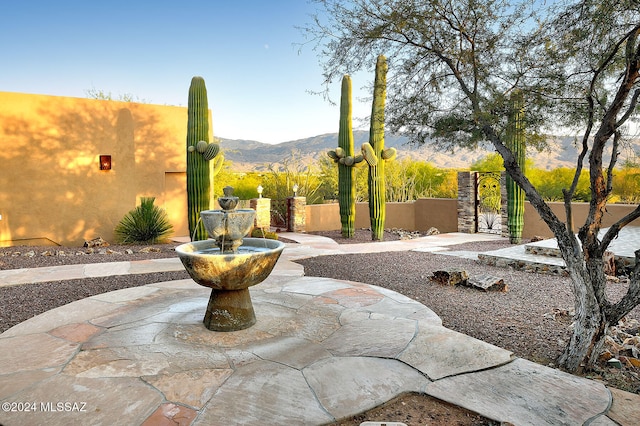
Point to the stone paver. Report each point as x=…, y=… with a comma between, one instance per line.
x=322, y=349
x=525, y=393
x=439, y=352
x=343, y=383
x=625, y=409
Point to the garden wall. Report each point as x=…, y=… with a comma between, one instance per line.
x=443, y=213
x=419, y=215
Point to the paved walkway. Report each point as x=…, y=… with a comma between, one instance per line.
x=544, y=256
x=322, y=349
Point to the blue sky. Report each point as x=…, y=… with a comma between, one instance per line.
x=257, y=76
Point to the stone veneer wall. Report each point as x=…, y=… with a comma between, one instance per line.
x=467, y=221
x=296, y=214
x=504, y=214
x=262, y=206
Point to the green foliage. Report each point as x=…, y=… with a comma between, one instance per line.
x=550, y=183
x=263, y=233
x=245, y=184
x=279, y=181
x=626, y=187
x=408, y=180
x=146, y=224
x=489, y=163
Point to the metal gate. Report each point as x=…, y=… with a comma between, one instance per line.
x=488, y=203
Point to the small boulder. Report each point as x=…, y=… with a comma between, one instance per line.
x=486, y=282
x=450, y=277
x=149, y=250
x=96, y=242
x=432, y=231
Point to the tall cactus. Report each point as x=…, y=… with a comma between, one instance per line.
x=199, y=153
x=375, y=154
x=344, y=156
x=515, y=141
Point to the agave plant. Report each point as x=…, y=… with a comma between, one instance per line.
x=146, y=224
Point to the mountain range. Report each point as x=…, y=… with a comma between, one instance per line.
x=247, y=155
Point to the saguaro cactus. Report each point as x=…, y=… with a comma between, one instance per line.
x=515, y=141
x=199, y=153
x=344, y=156
x=375, y=154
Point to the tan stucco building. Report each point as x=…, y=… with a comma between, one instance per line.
x=52, y=190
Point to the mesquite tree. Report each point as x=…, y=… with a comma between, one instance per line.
x=456, y=62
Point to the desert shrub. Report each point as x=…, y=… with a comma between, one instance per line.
x=262, y=233
x=146, y=224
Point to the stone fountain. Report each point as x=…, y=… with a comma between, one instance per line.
x=229, y=264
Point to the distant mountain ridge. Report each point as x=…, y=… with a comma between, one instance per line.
x=249, y=155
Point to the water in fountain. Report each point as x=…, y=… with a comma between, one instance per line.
x=195, y=229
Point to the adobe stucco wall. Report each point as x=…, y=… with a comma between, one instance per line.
x=425, y=213
x=51, y=188
x=419, y=215
x=535, y=226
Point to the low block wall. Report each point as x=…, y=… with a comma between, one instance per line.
x=535, y=226
x=442, y=214
x=418, y=215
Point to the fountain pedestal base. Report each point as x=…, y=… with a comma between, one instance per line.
x=229, y=310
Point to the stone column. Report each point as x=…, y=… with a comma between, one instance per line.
x=296, y=214
x=262, y=206
x=504, y=214
x=467, y=188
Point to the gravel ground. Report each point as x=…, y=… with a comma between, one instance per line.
x=529, y=319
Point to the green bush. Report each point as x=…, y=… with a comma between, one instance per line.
x=262, y=233
x=146, y=224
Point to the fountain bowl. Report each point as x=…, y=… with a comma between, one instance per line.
x=229, y=275
x=231, y=225
x=250, y=265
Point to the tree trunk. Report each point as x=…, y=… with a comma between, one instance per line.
x=589, y=326
x=590, y=321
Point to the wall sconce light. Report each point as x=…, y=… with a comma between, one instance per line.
x=105, y=162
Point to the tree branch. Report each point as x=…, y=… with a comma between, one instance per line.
x=614, y=229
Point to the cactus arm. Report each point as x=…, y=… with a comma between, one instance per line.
x=515, y=141
x=217, y=163
x=369, y=154
x=389, y=154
